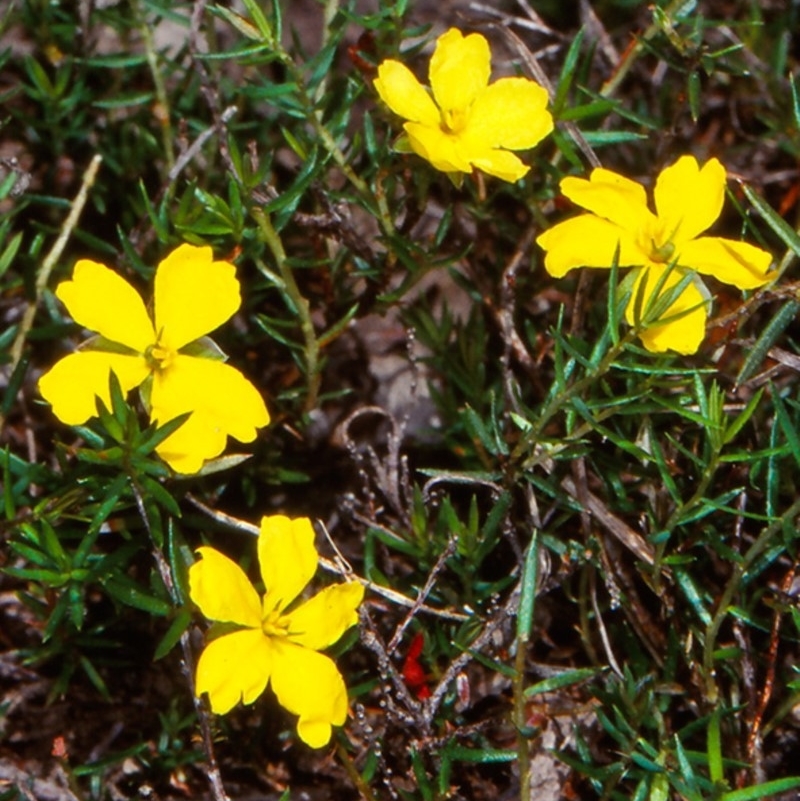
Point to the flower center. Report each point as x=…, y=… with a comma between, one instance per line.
x=274, y=625
x=657, y=243
x=454, y=120
x=158, y=357
x=662, y=253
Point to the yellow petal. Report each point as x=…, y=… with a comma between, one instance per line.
x=688, y=199
x=308, y=684
x=682, y=335
x=222, y=590
x=287, y=557
x=196, y=441
x=193, y=295
x=438, y=147
x=73, y=383
x=587, y=241
x=224, y=403
x=612, y=197
x=745, y=266
x=404, y=94
x=102, y=301
x=321, y=621
x=235, y=667
x=511, y=113
x=502, y=164
x=459, y=70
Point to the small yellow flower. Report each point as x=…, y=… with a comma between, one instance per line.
x=688, y=200
x=275, y=645
x=471, y=124
x=193, y=295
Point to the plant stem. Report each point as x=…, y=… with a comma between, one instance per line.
x=273, y=241
x=739, y=569
x=558, y=401
x=352, y=772
x=527, y=602
x=162, y=98
x=50, y=261
x=635, y=50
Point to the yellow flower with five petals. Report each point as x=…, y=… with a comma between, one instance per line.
x=688, y=199
x=277, y=642
x=468, y=123
x=193, y=295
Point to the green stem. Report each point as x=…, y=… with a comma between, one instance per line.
x=739, y=569
x=557, y=402
x=162, y=98
x=314, y=116
x=638, y=47
x=673, y=520
x=527, y=602
x=352, y=772
x=273, y=241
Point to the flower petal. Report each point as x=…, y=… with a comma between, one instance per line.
x=587, y=241
x=321, y=621
x=459, y=69
x=103, y=301
x=224, y=403
x=511, y=113
x=502, y=164
x=738, y=263
x=689, y=199
x=73, y=383
x=193, y=295
x=682, y=335
x=612, y=197
x=235, y=667
x=222, y=590
x=404, y=94
x=287, y=557
x=308, y=684
x=438, y=147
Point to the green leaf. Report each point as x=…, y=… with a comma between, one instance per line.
x=567, y=73
x=173, y=635
x=131, y=594
x=565, y=679
x=462, y=753
x=766, y=790
x=530, y=575
x=774, y=328
x=714, y=748
x=781, y=228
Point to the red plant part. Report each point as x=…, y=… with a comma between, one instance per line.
x=414, y=674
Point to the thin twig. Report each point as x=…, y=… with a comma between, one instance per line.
x=214, y=776
x=330, y=566
x=423, y=594
x=50, y=261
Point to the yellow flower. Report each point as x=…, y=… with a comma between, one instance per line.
x=193, y=295
x=688, y=200
x=275, y=644
x=471, y=124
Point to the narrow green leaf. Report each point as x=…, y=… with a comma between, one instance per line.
x=131, y=594
x=714, y=748
x=173, y=635
x=462, y=753
x=741, y=419
x=527, y=600
x=686, y=583
x=766, y=790
x=782, y=229
x=565, y=679
x=774, y=328
x=789, y=430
